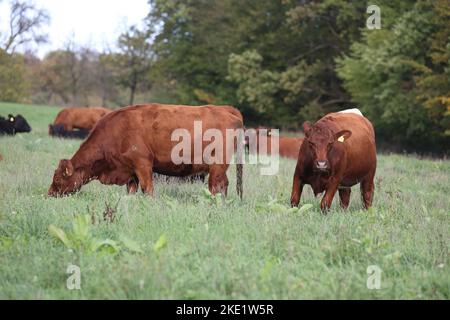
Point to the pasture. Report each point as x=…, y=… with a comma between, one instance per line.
x=185, y=244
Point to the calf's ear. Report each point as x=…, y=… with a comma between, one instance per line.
x=306, y=127
x=343, y=135
x=66, y=167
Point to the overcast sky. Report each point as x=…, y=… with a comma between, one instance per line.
x=93, y=22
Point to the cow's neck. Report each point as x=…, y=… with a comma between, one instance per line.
x=85, y=158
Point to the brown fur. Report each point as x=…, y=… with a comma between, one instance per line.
x=80, y=118
x=129, y=144
x=347, y=163
x=288, y=146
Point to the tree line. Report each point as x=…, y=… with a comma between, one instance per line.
x=281, y=62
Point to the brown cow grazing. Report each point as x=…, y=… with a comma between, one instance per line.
x=79, y=118
x=338, y=152
x=129, y=144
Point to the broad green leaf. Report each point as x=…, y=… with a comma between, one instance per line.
x=218, y=199
x=160, y=244
x=277, y=208
x=305, y=208
x=293, y=210
x=107, y=246
x=131, y=244
x=60, y=235
x=206, y=193
x=81, y=225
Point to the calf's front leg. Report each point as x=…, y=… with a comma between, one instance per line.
x=327, y=199
x=297, y=188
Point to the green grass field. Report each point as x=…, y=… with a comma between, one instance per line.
x=183, y=244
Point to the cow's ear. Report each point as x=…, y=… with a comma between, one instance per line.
x=307, y=127
x=343, y=135
x=66, y=167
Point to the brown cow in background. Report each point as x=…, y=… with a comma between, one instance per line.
x=338, y=152
x=80, y=118
x=129, y=144
x=288, y=146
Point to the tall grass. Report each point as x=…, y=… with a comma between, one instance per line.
x=254, y=249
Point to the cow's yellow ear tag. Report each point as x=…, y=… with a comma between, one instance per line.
x=341, y=139
x=67, y=171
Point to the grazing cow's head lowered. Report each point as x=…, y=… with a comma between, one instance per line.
x=19, y=122
x=66, y=180
x=320, y=141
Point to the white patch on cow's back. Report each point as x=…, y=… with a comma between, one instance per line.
x=354, y=110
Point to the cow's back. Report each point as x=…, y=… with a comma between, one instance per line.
x=153, y=125
x=62, y=117
x=359, y=125
x=81, y=118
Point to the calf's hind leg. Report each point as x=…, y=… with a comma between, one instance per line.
x=344, y=196
x=218, y=181
x=144, y=172
x=367, y=190
x=138, y=157
x=133, y=185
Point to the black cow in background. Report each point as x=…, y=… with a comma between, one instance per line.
x=60, y=132
x=13, y=125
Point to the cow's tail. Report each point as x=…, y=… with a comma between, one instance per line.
x=240, y=164
x=239, y=173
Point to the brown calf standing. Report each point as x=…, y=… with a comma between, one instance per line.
x=338, y=152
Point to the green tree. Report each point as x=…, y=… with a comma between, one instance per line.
x=134, y=60
x=399, y=77
x=13, y=87
x=286, y=49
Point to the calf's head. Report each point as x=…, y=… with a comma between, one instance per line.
x=66, y=180
x=19, y=122
x=320, y=141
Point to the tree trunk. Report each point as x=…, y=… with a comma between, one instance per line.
x=133, y=87
x=132, y=92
